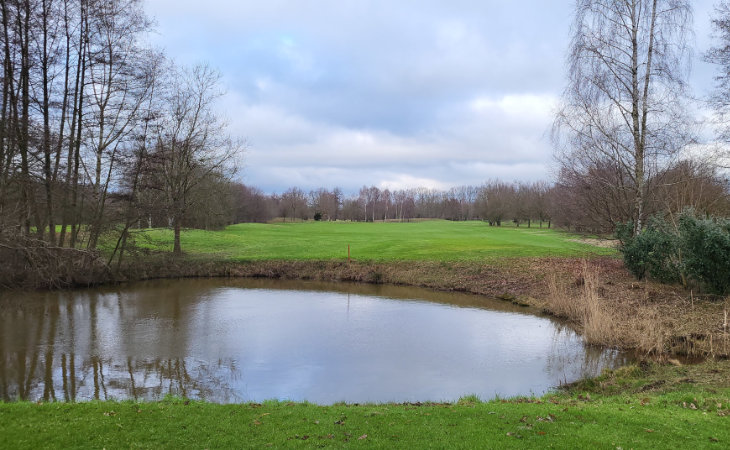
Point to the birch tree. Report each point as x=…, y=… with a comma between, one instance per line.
x=624, y=104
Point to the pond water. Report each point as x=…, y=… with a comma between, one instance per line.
x=252, y=340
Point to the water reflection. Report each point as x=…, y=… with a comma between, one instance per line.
x=251, y=340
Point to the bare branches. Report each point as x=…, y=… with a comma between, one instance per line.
x=83, y=113
x=191, y=147
x=720, y=99
x=624, y=104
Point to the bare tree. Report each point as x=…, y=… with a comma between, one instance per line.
x=294, y=204
x=495, y=202
x=191, y=144
x=624, y=104
x=696, y=185
x=121, y=76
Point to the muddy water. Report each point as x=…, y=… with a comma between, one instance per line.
x=252, y=340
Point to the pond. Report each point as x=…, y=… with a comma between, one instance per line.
x=253, y=340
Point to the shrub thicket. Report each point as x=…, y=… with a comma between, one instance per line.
x=653, y=252
x=697, y=250
x=706, y=251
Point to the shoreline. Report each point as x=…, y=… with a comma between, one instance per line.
x=597, y=295
x=688, y=418
x=653, y=319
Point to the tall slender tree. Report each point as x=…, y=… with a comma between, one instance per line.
x=624, y=103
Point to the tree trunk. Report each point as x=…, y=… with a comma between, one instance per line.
x=177, y=250
x=75, y=219
x=641, y=148
x=47, y=172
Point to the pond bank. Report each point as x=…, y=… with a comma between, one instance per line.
x=597, y=295
x=689, y=416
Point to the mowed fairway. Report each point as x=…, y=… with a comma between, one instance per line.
x=435, y=240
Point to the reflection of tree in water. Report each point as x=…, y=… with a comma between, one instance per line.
x=104, y=379
x=50, y=347
x=570, y=358
x=190, y=378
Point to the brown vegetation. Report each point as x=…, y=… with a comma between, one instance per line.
x=612, y=309
x=32, y=264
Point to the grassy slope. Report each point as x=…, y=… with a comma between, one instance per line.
x=429, y=240
x=674, y=420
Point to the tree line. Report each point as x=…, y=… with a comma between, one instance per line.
x=495, y=201
x=575, y=203
x=98, y=129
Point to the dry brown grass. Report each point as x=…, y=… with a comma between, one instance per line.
x=559, y=300
x=597, y=320
x=630, y=322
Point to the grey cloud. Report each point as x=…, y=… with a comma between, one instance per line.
x=345, y=93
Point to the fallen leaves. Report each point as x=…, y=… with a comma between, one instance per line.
x=297, y=437
x=549, y=418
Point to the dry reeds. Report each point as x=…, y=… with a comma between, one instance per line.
x=585, y=307
x=648, y=331
x=609, y=322
x=597, y=320
x=559, y=300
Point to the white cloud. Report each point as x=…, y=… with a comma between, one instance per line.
x=413, y=92
x=405, y=181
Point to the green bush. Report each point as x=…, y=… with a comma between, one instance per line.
x=705, y=245
x=699, y=249
x=653, y=252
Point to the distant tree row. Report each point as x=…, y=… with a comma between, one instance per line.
x=495, y=202
x=575, y=202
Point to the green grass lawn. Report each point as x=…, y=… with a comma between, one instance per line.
x=690, y=419
x=436, y=240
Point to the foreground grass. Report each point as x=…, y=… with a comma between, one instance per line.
x=683, y=419
x=436, y=240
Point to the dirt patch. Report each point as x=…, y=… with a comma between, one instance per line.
x=603, y=243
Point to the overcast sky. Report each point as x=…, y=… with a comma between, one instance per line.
x=406, y=93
